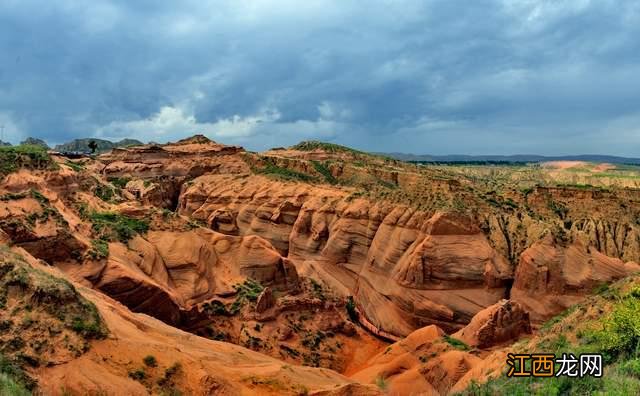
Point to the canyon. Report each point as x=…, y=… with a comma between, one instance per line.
x=315, y=269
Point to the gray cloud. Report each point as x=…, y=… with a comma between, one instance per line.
x=416, y=76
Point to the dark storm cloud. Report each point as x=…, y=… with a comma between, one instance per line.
x=391, y=75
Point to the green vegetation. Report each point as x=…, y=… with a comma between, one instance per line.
x=9, y=387
x=50, y=308
x=111, y=226
x=248, y=291
x=169, y=374
x=13, y=379
x=615, y=334
x=351, y=309
x=76, y=167
x=150, y=361
x=13, y=158
x=558, y=208
x=57, y=296
x=456, y=343
x=104, y=192
x=318, y=291
x=120, y=182
x=271, y=169
x=99, y=249
x=138, y=375
x=13, y=196
x=324, y=171
x=381, y=383
x=311, y=145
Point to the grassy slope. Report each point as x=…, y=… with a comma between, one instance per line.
x=42, y=317
x=607, y=323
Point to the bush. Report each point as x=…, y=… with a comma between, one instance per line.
x=138, y=375
x=150, y=361
x=351, y=309
x=620, y=333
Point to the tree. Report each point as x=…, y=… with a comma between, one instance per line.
x=93, y=146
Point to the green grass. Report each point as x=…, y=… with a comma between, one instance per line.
x=111, y=226
x=13, y=158
x=324, y=171
x=9, y=387
x=76, y=167
x=615, y=334
x=311, y=145
x=13, y=379
x=456, y=343
x=99, y=249
x=247, y=291
x=283, y=173
x=557, y=319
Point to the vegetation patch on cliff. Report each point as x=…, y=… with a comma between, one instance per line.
x=43, y=319
x=12, y=158
x=111, y=226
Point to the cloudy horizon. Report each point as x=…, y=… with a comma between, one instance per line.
x=421, y=77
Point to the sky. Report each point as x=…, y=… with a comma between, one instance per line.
x=423, y=77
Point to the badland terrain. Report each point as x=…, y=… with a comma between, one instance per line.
x=198, y=268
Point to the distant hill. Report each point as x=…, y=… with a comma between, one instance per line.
x=4, y=144
x=82, y=145
x=35, y=142
x=512, y=158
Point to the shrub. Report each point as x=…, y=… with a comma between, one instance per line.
x=351, y=309
x=150, y=361
x=138, y=375
x=620, y=333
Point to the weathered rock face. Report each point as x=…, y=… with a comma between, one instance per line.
x=497, y=324
x=265, y=300
x=166, y=274
x=405, y=268
x=193, y=157
x=550, y=277
x=424, y=363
